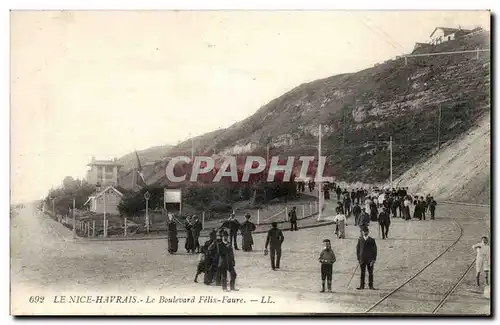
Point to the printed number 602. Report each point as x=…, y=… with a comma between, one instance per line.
x=36, y=299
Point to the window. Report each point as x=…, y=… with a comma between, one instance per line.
x=109, y=169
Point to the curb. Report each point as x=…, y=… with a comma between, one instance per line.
x=466, y=204
x=84, y=239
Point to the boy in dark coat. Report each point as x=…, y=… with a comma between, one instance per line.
x=327, y=258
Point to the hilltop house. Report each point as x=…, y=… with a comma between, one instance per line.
x=444, y=34
x=108, y=198
x=104, y=172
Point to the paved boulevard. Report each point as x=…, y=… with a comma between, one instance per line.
x=46, y=261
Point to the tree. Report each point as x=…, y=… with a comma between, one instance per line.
x=69, y=184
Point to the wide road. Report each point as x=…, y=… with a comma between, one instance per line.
x=46, y=261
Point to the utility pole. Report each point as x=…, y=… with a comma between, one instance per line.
x=54, y=207
x=439, y=128
x=390, y=148
x=74, y=220
x=134, y=172
x=147, y=196
x=320, y=192
x=192, y=149
x=343, y=131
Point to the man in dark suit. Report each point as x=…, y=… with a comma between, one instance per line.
x=363, y=221
x=233, y=225
x=292, y=216
x=227, y=263
x=197, y=227
x=384, y=220
x=275, y=238
x=366, y=251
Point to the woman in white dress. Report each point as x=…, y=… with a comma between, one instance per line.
x=341, y=221
x=368, y=201
x=482, y=259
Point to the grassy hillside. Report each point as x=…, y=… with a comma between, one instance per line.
x=360, y=109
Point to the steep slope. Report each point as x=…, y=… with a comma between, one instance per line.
x=149, y=155
x=460, y=171
x=360, y=110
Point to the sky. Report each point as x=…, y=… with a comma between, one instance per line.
x=103, y=83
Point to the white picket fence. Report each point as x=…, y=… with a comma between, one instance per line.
x=303, y=210
x=90, y=229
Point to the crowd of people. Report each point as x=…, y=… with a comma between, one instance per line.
x=217, y=258
x=216, y=254
x=380, y=206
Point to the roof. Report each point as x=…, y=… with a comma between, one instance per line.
x=103, y=163
x=96, y=195
x=88, y=200
x=106, y=189
x=448, y=31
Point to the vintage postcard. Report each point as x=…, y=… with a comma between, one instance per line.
x=250, y=162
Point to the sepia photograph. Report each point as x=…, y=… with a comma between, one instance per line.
x=250, y=162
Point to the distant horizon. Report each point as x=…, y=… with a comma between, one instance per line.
x=216, y=62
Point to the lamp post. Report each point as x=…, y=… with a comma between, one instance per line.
x=319, y=177
x=74, y=220
x=105, y=233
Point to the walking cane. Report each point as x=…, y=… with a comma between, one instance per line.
x=352, y=276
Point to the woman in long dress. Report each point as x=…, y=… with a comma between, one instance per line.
x=173, y=241
x=406, y=210
x=373, y=211
x=189, y=246
x=340, y=220
x=247, y=228
x=482, y=259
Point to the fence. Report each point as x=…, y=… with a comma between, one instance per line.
x=93, y=228
x=303, y=211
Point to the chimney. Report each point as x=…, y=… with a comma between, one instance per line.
x=93, y=158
